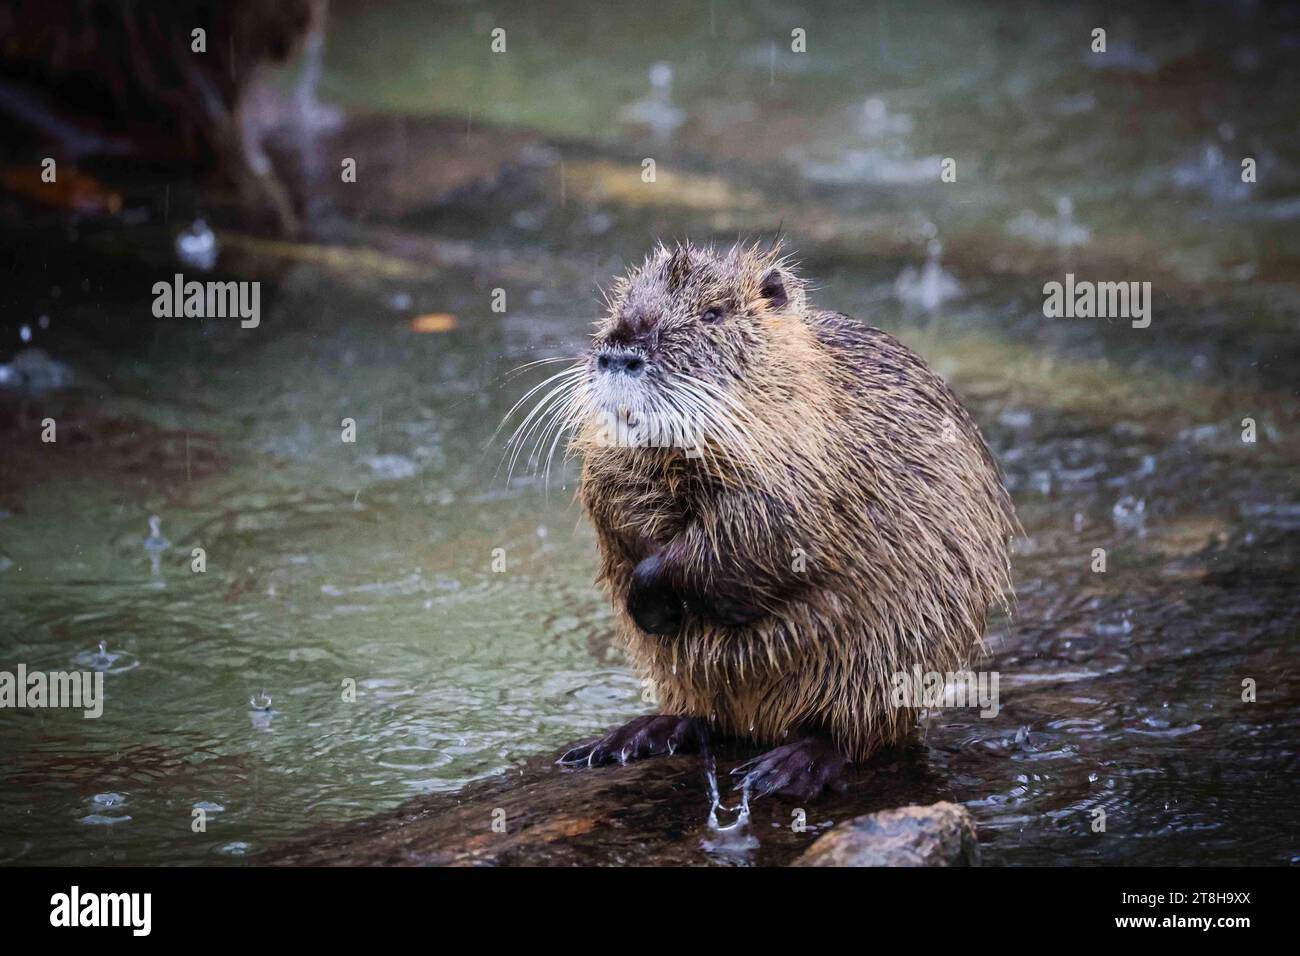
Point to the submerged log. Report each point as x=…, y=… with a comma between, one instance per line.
x=651, y=812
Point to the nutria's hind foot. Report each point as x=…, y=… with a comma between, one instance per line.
x=800, y=771
x=640, y=737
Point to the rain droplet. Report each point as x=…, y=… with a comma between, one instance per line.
x=1129, y=513
x=102, y=657
x=156, y=542
x=197, y=246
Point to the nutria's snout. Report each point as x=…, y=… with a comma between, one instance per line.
x=618, y=381
x=620, y=362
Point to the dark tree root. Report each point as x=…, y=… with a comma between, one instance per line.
x=799, y=771
x=645, y=736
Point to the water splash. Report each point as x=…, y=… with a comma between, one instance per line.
x=32, y=370
x=197, y=246
x=878, y=123
x=259, y=710
x=103, y=659
x=1061, y=231
x=734, y=841
x=1212, y=174
x=929, y=287
x=1115, y=627
x=155, y=546
x=1129, y=514
x=155, y=541
x=656, y=112
x=110, y=662
x=392, y=467
x=101, y=819
x=102, y=802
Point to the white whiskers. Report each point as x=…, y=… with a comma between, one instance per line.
x=693, y=414
x=556, y=410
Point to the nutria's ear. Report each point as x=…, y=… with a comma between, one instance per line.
x=773, y=290
x=678, y=268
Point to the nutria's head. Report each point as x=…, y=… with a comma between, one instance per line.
x=695, y=355
x=689, y=338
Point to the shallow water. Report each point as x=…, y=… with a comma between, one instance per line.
x=373, y=562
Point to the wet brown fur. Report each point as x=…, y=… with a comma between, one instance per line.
x=854, y=454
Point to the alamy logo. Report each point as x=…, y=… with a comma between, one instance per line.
x=1100, y=300
x=208, y=300
x=624, y=430
x=79, y=689
x=103, y=909
x=935, y=690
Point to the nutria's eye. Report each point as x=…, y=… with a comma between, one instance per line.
x=711, y=316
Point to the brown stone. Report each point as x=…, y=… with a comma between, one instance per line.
x=941, y=834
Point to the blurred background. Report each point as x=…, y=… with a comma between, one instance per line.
x=514, y=176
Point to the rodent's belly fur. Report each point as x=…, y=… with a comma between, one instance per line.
x=906, y=529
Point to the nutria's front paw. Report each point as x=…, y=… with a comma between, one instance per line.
x=800, y=771
x=652, y=602
x=726, y=610
x=640, y=737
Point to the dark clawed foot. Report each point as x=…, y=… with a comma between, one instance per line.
x=652, y=602
x=639, y=737
x=800, y=771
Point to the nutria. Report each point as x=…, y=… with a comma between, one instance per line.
x=826, y=516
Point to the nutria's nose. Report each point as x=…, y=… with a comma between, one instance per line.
x=621, y=361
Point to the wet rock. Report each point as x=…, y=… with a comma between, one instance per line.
x=941, y=834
